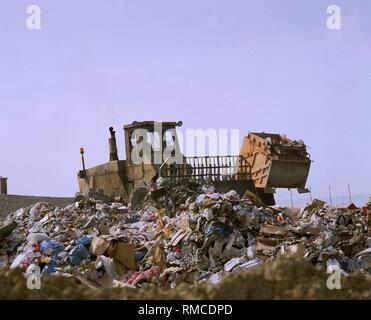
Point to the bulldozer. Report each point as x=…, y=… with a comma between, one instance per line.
x=266, y=162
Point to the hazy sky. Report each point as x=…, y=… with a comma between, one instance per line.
x=251, y=65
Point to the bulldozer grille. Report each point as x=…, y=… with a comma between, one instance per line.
x=209, y=168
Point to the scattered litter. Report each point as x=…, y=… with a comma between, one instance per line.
x=184, y=232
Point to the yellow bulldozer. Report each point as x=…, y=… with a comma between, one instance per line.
x=266, y=162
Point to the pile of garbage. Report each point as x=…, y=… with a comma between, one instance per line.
x=185, y=232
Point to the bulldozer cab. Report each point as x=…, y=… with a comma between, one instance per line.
x=145, y=143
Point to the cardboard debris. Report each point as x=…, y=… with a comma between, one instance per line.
x=99, y=246
x=273, y=230
x=260, y=247
x=123, y=253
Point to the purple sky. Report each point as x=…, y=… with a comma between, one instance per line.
x=252, y=65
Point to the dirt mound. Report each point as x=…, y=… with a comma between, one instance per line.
x=286, y=278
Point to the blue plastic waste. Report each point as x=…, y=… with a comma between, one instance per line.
x=139, y=255
x=220, y=229
x=84, y=240
x=77, y=255
x=50, y=247
x=50, y=267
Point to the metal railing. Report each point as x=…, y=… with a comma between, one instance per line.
x=210, y=168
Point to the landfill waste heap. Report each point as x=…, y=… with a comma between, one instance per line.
x=185, y=232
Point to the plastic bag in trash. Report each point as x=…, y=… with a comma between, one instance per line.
x=232, y=196
x=163, y=182
x=107, y=265
x=49, y=247
x=200, y=200
x=84, y=240
x=208, y=189
x=77, y=255
x=139, y=255
x=50, y=267
x=18, y=260
x=217, y=228
x=34, y=211
x=23, y=260
x=208, y=214
x=38, y=237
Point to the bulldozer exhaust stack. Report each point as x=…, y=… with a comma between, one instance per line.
x=112, y=146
